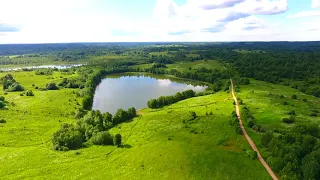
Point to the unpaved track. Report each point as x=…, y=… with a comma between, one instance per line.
x=254, y=147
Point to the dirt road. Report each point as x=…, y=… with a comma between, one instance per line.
x=248, y=137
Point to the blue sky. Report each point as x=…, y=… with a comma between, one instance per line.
x=52, y=21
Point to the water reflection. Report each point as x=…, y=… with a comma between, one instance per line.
x=135, y=91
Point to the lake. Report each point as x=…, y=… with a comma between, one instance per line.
x=41, y=67
x=125, y=91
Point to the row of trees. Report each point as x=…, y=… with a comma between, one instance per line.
x=166, y=100
x=92, y=128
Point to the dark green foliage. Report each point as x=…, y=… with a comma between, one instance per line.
x=2, y=104
x=102, y=138
x=193, y=115
x=117, y=140
x=2, y=98
x=285, y=103
x=266, y=138
x=235, y=123
x=295, y=152
x=67, y=137
x=2, y=121
x=289, y=120
x=87, y=102
x=29, y=93
x=166, y=100
x=51, y=86
x=294, y=96
x=122, y=115
x=67, y=83
x=244, y=81
x=251, y=123
x=80, y=113
x=46, y=72
x=292, y=112
x=10, y=84
x=252, y=154
x=304, y=100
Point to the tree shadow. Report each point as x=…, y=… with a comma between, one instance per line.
x=126, y=146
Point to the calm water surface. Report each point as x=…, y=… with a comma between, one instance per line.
x=135, y=91
x=42, y=67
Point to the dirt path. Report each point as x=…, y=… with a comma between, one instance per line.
x=254, y=147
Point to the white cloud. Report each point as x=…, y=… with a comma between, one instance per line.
x=315, y=3
x=305, y=14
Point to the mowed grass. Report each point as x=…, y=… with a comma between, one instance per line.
x=157, y=144
x=265, y=102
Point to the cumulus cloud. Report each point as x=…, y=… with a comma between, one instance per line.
x=216, y=4
x=315, y=3
x=305, y=14
x=263, y=7
x=4, y=27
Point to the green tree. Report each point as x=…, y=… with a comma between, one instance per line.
x=117, y=140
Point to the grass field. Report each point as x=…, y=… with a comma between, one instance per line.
x=157, y=144
x=183, y=66
x=265, y=102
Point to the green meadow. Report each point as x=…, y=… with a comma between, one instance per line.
x=270, y=103
x=158, y=144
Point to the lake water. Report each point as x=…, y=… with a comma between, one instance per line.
x=42, y=67
x=127, y=91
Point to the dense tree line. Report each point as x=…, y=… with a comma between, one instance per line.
x=166, y=100
x=91, y=128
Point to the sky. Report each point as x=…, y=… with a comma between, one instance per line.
x=64, y=21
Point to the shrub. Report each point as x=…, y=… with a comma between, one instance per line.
x=289, y=120
x=67, y=137
x=29, y=93
x=251, y=124
x=102, y=138
x=51, y=86
x=285, y=103
x=294, y=96
x=304, y=100
x=252, y=154
x=2, y=104
x=314, y=114
x=3, y=121
x=2, y=98
x=117, y=140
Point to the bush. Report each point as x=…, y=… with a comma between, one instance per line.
x=252, y=154
x=29, y=93
x=2, y=98
x=251, y=124
x=304, y=100
x=102, y=138
x=3, y=121
x=51, y=86
x=285, y=103
x=2, y=105
x=294, y=96
x=67, y=137
x=289, y=120
x=117, y=140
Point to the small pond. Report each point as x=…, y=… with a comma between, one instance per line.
x=133, y=90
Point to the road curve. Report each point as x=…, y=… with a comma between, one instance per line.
x=254, y=147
